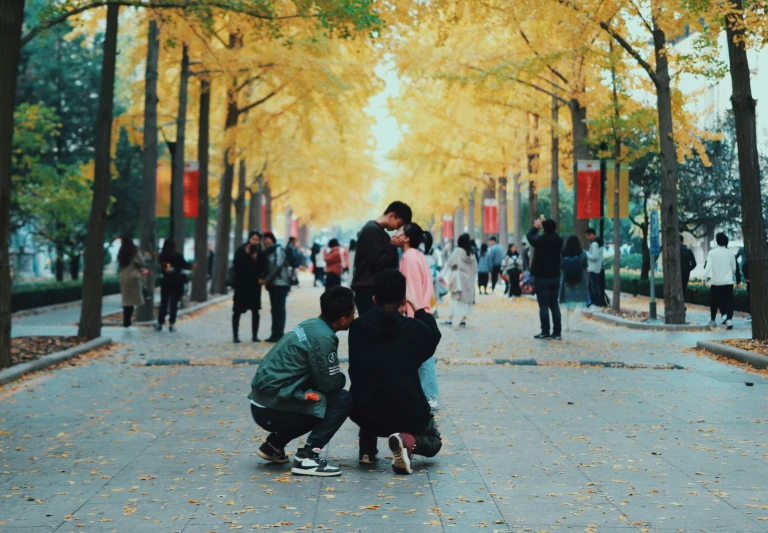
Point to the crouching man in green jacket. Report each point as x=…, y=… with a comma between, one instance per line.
x=299, y=387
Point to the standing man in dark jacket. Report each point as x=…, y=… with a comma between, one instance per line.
x=386, y=350
x=376, y=251
x=299, y=387
x=545, y=267
x=687, y=263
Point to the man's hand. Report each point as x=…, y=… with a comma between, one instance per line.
x=262, y=282
x=537, y=223
x=397, y=239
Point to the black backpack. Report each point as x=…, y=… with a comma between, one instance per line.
x=572, y=269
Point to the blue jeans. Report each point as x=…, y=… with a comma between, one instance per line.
x=595, y=291
x=547, y=292
x=428, y=378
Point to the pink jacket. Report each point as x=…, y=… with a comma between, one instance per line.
x=418, y=279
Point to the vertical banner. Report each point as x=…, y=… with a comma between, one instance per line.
x=191, y=189
x=294, y=226
x=163, y=190
x=490, y=216
x=264, y=214
x=623, y=189
x=447, y=228
x=588, y=182
x=655, y=234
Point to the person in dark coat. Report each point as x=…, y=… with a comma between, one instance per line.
x=687, y=263
x=546, y=269
x=386, y=350
x=248, y=269
x=172, y=265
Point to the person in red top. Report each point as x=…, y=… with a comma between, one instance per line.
x=333, y=264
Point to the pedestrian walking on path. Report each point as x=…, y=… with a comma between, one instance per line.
x=483, y=269
x=460, y=272
x=594, y=268
x=510, y=266
x=132, y=268
x=420, y=289
x=545, y=267
x=248, y=266
x=333, y=264
x=573, y=282
x=687, y=263
x=299, y=387
x=277, y=278
x=386, y=350
x=318, y=264
x=172, y=266
x=721, y=269
x=377, y=251
x=496, y=256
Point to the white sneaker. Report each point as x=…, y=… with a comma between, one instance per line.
x=749, y=318
x=433, y=403
x=728, y=324
x=307, y=462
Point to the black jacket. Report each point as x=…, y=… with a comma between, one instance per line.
x=248, y=272
x=374, y=254
x=171, y=269
x=546, y=254
x=386, y=350
x=687, y=259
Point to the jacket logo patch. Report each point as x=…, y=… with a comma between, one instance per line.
x=300, y=333
x=333, y=358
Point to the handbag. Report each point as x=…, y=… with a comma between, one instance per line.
x=231, y=276
x=453, y=280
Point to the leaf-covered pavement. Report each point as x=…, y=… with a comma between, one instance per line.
x=112, y=445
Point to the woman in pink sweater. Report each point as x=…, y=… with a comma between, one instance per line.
x=419, y=288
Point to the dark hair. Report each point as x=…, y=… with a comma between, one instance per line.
x=494, y=239
x=389, y=287
x=269, y=235
x=336, y=303
x=252, y=233
x=465, y=243
x=722, y=239
x=483, y=249
x=572, y=246
x=549, y=225
x=291, y=239
x=417, y=236
x=590, y=231
x=509, y=248
x=333, y=243
x=127, y=251
x=352, y=245
x=169, y=248
x=401, y=210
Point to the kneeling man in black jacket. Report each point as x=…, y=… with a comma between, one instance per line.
x=386, y=350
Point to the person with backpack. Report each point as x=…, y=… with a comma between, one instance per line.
x=510, y=266
x=573, y=282
x=293, y=256
x=483, y=269
x=687, y=263
x=546, y=269
x=278, y=282
x=172, y=265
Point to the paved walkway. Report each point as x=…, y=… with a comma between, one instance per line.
x=111, y=445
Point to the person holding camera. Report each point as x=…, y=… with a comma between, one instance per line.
x=248, y=267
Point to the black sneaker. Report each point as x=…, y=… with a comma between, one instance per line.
x=270, y=453
x=307, y=462
x=255, y=339
x=542, y=336
x=236, y=340
x=556, y=337
x=171, y=328
x=158, y=327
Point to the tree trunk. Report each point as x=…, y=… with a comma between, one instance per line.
x=148, y=221
x=256, y=200
x=458, y=221
x=200, y=275
x=60, y=264
x=503, y=224
x=674, y=304
x=517, y=221
x=288, y=220
x=11, y=19
x=268, y=207
x=90, y=314
x=533, y=202
x=752, y=224
x=240, y=206
x=615, y=194
x=471, y=213
x=580, y=151
x=177, y=189
x=74, y=266
x=645, y=268
x=554, y=206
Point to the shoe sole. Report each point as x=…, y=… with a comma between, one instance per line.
x=314, y=473
x=367, y=461
x=401, y=463
x=270, y=458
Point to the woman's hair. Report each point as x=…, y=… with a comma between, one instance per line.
x=572, y=246
x=483, y=249
x=509, y=249
x=465, y=243
x=127, y=251
x=333, y=243
x=417, y=236
x=269, y=235
x=252, y=233
x=169, y=248
x=352, y=245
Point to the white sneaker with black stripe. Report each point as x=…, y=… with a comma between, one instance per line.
x=307, y=462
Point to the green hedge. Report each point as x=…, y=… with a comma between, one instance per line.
x=628, y=261
x=31, y=295
x=696, y=294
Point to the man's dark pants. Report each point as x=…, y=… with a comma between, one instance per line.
x=595, y=290
x=495, y=271
x=363, y=300
x=428, y=441
x=277, y=297
x=547, y=292
x=285, y=426
x=686, y=277
x=721, y=297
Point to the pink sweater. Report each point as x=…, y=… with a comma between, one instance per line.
x=418, y=279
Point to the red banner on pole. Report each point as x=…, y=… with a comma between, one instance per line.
x=490, y=215
x=447, y=227
x=264, y=214
x=191, y=189
x=588, y=183
x=294, y=227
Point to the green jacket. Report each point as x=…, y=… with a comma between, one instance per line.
x=304, y=360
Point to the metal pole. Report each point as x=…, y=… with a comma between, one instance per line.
x=652, y=309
